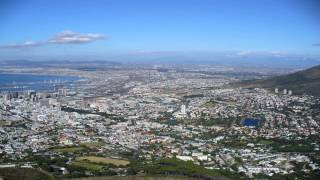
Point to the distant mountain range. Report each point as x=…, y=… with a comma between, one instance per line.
x=29, y=63
x=301, y=82
x=252, y=60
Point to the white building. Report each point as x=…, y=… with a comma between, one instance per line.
x=185, y=158
x=285, y=91
x=183, y=109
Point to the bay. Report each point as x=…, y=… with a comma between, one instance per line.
x=21, y=82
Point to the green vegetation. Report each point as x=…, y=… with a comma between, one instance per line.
x=82, y=111
x=135, y=178
x=226, y=122
x=193, y=96
x=278, y=145
x=24, y=174
x=88, y=165
x=209, y=104
x=284, y=145
x=68, y=149
x=177, y=167
x=265, y=142
x=44, y=161
x=103, y=160
x=98, y=166
x=87, y=146
x=235, y=143
x=5, y=123
x=91, y=145
x=292, y=147
x=81, y=168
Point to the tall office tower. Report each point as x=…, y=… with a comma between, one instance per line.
x=285, y=91
x=6, y=97
x=276, y=90
x=62, y=92
x=183, y=109
x=290, y=92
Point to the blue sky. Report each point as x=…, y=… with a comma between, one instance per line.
x=92, y=28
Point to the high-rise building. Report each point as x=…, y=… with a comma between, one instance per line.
x=290, y=92
x=276, y=90
x=62, y=92
x=285, y=91
x=6, y=97
x=183, y=109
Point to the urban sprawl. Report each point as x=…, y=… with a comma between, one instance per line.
x=111, y=122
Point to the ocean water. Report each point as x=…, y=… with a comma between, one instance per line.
x=21, y=82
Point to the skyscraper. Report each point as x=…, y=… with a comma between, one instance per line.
x=183, y=109
x=285, y=91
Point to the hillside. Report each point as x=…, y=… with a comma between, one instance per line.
x=302, y=82
x=135, y=178
x=24, y=174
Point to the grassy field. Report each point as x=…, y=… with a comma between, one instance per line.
x=2, y=123
x=95, y=144
x=88, y=165
x=103, y=160
x=83, y=146
x=265, y=142
x=68, y=149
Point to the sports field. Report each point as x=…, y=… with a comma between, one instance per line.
x=103, y=160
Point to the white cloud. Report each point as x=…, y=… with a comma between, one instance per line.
x=261, y=53
x=64, y=37
x=23, y=45
x=68, y=37
x=245, y=53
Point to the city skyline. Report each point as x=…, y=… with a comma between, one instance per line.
x=159, y=89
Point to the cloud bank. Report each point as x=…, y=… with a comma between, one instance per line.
x=261, y=53
x=64, y=37
x=23, y=45
x=69, y=37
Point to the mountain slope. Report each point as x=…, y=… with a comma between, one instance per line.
x=302, y=82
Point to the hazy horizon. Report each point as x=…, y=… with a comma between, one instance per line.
x=129, y=30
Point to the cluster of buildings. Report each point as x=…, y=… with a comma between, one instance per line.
x=187, y=115
x=284, y=91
